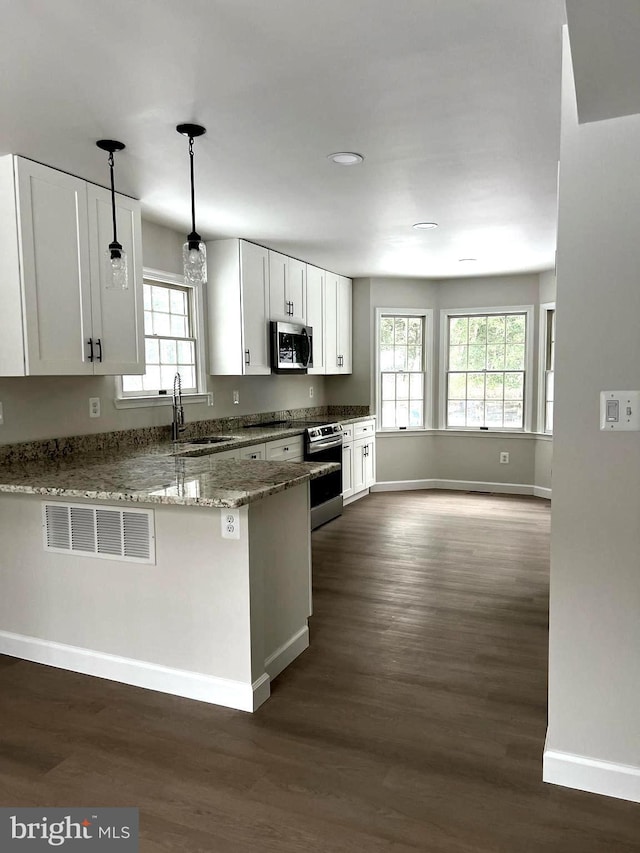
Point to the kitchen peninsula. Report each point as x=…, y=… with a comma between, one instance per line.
x=158, y=568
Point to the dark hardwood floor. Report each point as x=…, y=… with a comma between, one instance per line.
x=415, y=721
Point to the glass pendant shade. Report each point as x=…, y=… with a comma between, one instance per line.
x=194, y=256
x=116, y=268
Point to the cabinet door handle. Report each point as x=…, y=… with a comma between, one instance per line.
x=99, y=345
x=247, y=356
x=90, y=342
x=292, y=310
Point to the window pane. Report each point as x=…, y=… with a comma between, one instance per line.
x=146, y=291
x=402, y=386
x=414, y=358
x=177, y=301
x=160, y=299
x=456, y=414
x=477, y=330
x=458, y=358
x=168, y=352
x=495, y=357
x=549, y=418
x=148, y=323
x=161, y=324
x=512, y=414
x=178, y=326
x=131, y=383
x=401, y=331
x=475, y=413
x=186, y=352
x=386, y=331
x=388, y=414
x=166, y=377
x=457, y=386
x=477, y=357
x=415, y=414
x=514, y=357
x=152, y=351
x=495, y=388
x=475, y=386
x=402, y=413
x=188, y=376
x=514, y=386
x=516, y=326
x=386, y=358
x=400, y=358
x=415, y=331
x=388, y=386
x=416, y=386
x=458, y=330
x=549, y=394
x=151, y=379
x=493, y=410
x=495, y=330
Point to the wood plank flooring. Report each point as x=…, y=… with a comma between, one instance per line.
x=414, y=722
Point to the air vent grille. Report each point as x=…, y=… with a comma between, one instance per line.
x=97, y=531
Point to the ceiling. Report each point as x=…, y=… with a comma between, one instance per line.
x=454, y=104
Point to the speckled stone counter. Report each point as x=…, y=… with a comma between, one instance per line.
x=154, y=478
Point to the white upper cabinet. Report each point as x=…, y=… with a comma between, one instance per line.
x=315, y=314
x=337, y=324
x=238, y=308
x=52, y=320
x=287, y=288
x=117, y=315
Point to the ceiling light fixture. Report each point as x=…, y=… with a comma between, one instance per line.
x=194, y=252
x=346, y=158
x=466, y=260
x=116, y=257
x=424, y=226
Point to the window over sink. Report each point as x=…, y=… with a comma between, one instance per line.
x=173, y=340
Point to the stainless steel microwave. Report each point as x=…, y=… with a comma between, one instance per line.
x=291, y=347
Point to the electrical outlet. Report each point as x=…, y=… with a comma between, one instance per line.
x=504, y=457
x=94, y=407
x=310, y=390
x=1, y=415
x=236, y=398
x=230, y=523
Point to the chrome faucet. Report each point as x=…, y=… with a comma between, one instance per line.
x=177, y=422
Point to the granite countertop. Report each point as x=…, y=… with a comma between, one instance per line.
x=154, y=478
x=167, y=472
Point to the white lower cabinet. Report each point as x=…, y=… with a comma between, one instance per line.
x=255, y=451
x=285, y=449
x=358, y=458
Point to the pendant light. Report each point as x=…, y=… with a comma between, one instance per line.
x=116, y=277
x=194, y=252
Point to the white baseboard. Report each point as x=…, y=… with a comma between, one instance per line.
x=357, y=496
x=590, y=774
x=461, y=486
x=179, y=682
x=287, y=653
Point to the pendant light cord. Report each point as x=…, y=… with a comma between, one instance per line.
x=193, y=192
x=113, y=198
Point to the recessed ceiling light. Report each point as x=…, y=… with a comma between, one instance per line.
x=464, y=260
x=346, y=158
x=423, y=226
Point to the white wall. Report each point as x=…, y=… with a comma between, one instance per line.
x=417, y=457
x=48, y=407
x=594, y=663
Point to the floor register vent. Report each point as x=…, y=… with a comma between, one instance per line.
x=98, y=531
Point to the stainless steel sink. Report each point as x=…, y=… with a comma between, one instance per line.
x=207, y=439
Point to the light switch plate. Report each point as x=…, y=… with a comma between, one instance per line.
x=619, y=410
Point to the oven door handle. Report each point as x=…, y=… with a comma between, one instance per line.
x=317, y=446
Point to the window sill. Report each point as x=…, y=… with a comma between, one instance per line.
x=460, y=433
x=160, y=400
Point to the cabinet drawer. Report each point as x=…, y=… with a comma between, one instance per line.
x=347, y=433
x=364, y=429
x=255, y=451
x=225, y=454
x=291, y=449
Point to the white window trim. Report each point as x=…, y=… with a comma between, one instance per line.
x=201, y=396
x=445, y=313
x=542, y=365
x=429, y=353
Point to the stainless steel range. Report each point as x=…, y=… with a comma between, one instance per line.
x=322, y=443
